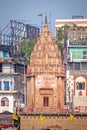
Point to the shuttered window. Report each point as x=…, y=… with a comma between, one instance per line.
x=6, y=85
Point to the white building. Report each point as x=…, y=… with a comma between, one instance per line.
x=62, y=22
x=10, y=85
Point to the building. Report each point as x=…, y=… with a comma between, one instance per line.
x=45, y=74
x=75, y=61
x=79, y=22
x=76, y=72
x=12, y=64
x=11, y=83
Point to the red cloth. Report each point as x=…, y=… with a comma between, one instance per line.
x=7, y=125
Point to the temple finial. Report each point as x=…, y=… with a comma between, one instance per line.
x=46, y=19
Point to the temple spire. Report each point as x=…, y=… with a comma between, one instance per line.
x=45, y=19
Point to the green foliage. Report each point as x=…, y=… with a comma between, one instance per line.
x=60, y=34
x=66, y=27
x=60, y=37
x=26, y=49
x=62, y=30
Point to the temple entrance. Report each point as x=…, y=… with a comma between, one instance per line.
x=46, y=101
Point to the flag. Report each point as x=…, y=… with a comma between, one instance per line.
x=71, y=117
x=15, y=117
x=40, y=14
x=42, y=117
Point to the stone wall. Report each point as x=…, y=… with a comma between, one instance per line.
x=53, y=122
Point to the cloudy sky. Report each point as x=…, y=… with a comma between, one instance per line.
x=27, y=11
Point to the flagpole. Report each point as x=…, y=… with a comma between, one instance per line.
x=41, y=22
x=50, y=21
x=41, y=15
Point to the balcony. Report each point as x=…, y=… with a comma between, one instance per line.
x=8, y=91
x=78, y=72
x=78, y=42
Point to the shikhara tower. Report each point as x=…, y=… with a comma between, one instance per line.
x=45, y=74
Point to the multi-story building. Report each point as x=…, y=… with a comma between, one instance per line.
x=76, y=71
x=11, y=83
x=75, y=60
x=12, y=67
x=79, y=22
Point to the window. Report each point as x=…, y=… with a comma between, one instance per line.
x=4, y=102
x=84, y=66
x=5, y=54
x=84, y=54
x=46, y=101
x=6, y=85
x=70, y=66
x=0, y=67
x=77, y=66
x=0, y=85
x=19, y=68
x=80, y=85
x=73, y=66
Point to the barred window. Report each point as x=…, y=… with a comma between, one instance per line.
x=80, y=85
x=77, y=66
x=84, y=54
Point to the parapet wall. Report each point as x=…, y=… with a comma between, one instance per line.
x=53, y=122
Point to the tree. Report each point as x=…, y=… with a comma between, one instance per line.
x=26, y=49
x=61, y=33
x=59, y=38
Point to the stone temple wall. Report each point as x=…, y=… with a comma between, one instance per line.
x=53, y=122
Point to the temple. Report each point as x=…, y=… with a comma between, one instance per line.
x=45, y=74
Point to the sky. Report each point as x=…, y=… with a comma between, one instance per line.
x=27, y=11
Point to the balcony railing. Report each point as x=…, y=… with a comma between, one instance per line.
x=78, y=42
x=78, y=72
